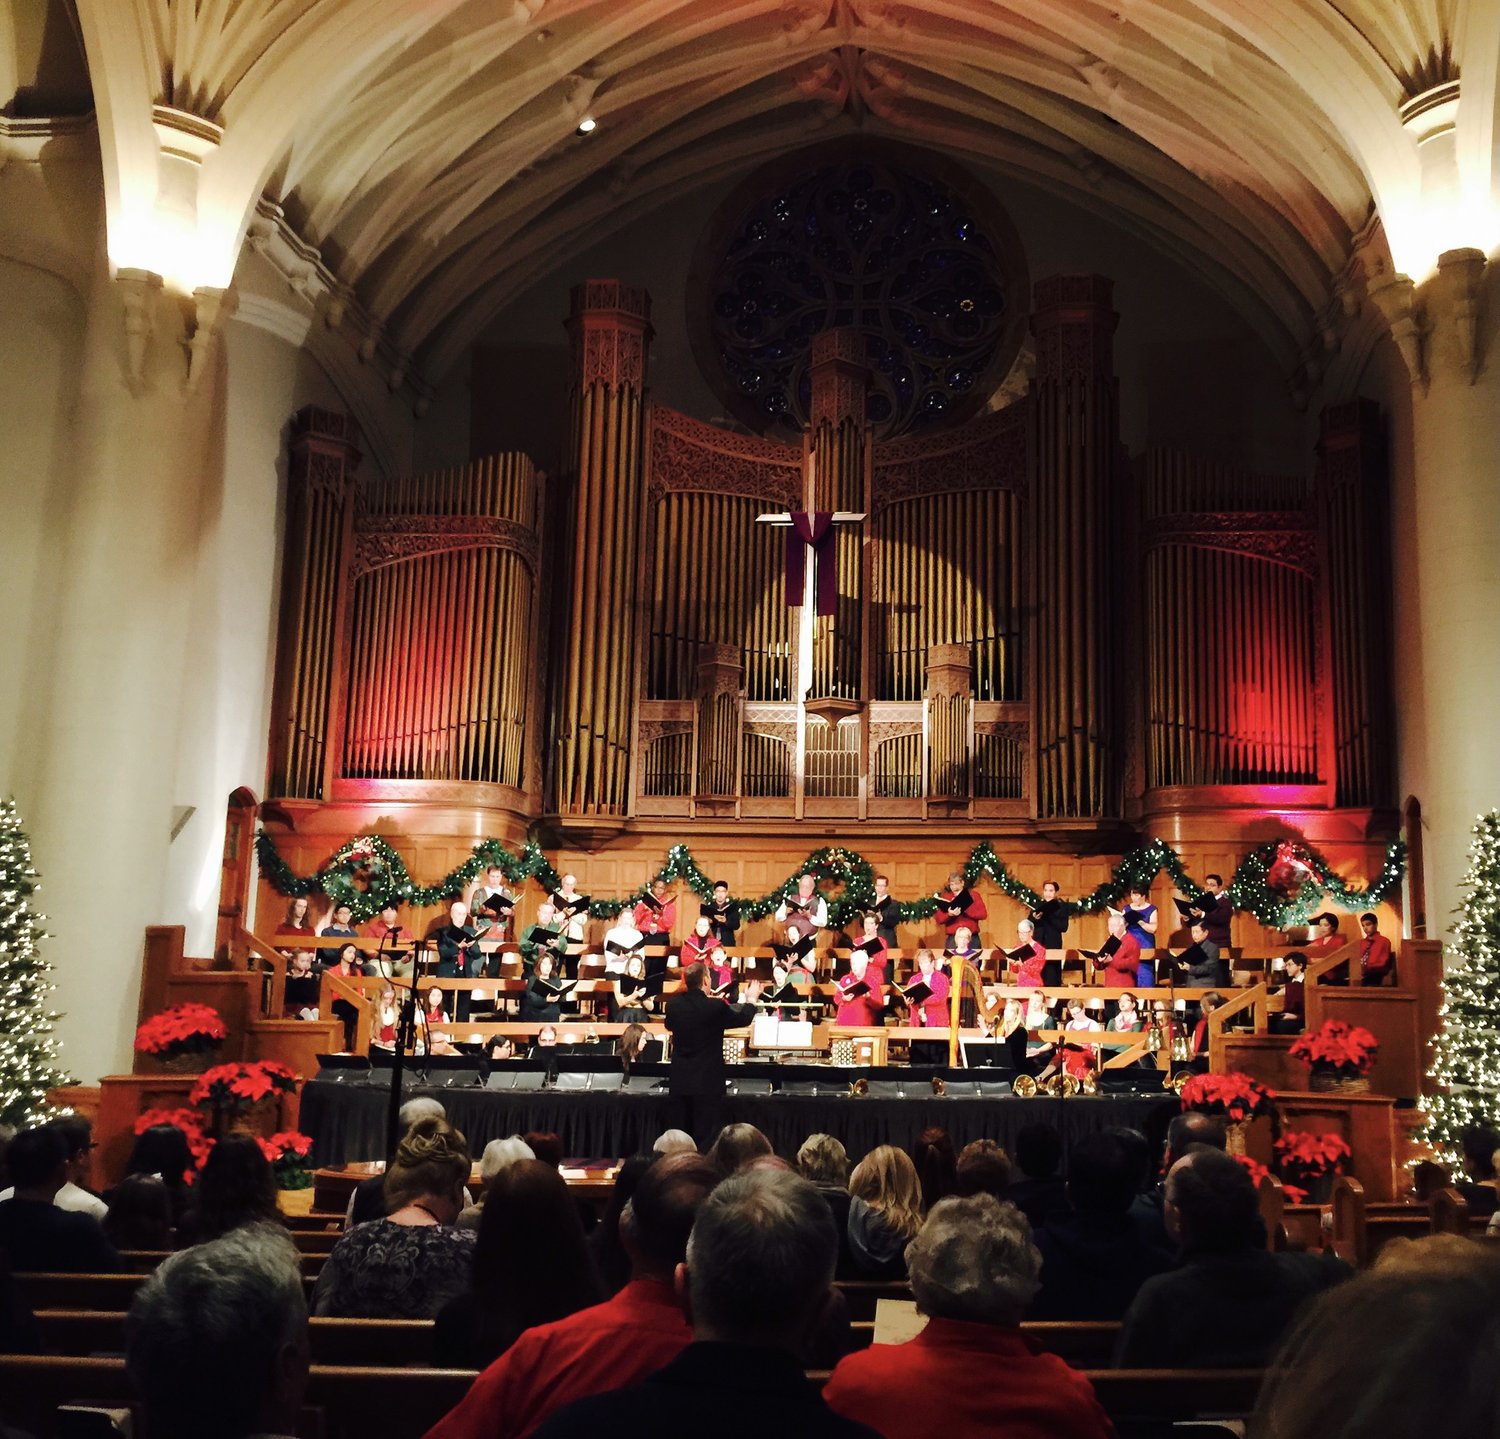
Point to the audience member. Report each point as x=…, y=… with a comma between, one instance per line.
x=606, y=1246
x=163, y=1150
x=1040, y=1191
x=140, y=1216
x=936, y=1163
x=756, y=1281
x=498, y=1156
x=368, y=1200
x=1426, y=1322
x=983, y=1168
x=216, y=1340
x=1230, y=1301
x=78, y=1135
x=35, y=1235
x=823, y=1161
x=973, y=1271
x=736, y=1146
x=531, y=1266
x=1481, y=1186
x=1146, y=1212
x=370, y=1273
x=885, y=1212
x=546, y=1146
x=19, y=1333
x=674, y=1141
x=618, y=1342
x=236, y=1187
x=1093, y=1258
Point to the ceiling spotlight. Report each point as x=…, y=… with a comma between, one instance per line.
x=586, y=125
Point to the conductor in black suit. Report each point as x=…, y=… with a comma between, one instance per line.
x=697, y=1023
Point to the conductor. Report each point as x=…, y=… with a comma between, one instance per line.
x=697, y=1023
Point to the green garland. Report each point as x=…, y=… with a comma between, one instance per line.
x=367, y=873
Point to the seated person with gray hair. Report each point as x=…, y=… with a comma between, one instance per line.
x=755, y=1284
x=216, y=1340
x=498, y=1156
x=973, y=1271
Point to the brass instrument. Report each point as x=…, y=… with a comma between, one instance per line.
x=1024, y=1087
x=939, y=1086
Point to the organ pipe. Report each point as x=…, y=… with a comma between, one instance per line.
x=1077, y=441
x=598, y=678
x=311, y=639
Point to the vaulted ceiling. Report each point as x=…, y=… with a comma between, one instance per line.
x=425, y=153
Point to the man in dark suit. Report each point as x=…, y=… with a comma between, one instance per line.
x=1215, y=910
x=697, y=1022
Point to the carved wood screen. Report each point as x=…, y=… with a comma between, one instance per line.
x=444, y=615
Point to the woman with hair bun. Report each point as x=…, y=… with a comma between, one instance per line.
x=411, y=1263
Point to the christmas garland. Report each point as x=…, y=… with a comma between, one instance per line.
x=367, y=874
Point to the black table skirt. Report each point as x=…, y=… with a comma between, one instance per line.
x=347, y=1121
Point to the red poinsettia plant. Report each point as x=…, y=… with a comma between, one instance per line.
x=236, y=1087
x=1346, y=1049
x=182, y=1029
x=1254, y=1168
x=1304, y=1158
x=190, y=1122
x=290, y=1156
x=1235, y=1097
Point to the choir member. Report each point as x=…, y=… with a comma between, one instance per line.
x=346, y=965
x=807, y=906
x=1376, y=962
x=572, y=910
x=1141, y=918
x=1200, y=964
x=299, y=998
x=1293, y=996
x=548, y=934
x=654, y=917
x=1050, y=917
x=395, y=940
x=621, y=942
x=1121, y=966
x=340, y=923
x=962, y=944
x=1215, y=909
x=1326, y=937
x=958, y=905
x=493, y=901
x=930, y=1011
x=433, y=1012
x=387, y=1016
x=458, y=953
x=697, y=946
x=632, y=998
x=539, y=1001
x=722, y=913
x=859, y=997
x=720, y=974
x=869, y=940
x=1028, y=960
x=887, y=911
x=1127, y=1018
x=1075, y=1059
x=1206, y=1007
x=297, y=920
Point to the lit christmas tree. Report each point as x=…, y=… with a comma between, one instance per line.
x=1466, y=1060
x=28, y=1048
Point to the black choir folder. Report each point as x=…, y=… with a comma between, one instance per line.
x=539, y=934
x=652, y=902
x=917, y=992
x=555, y=989
x=497, y=905
x=577, y=905
x=855, y=990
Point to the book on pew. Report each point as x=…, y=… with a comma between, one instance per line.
x=917, y=992
x=540, y=935
x=569, y=907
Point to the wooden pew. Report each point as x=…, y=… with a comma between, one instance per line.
x=144, y=1261
x=92, y=1291
x=353, y=1403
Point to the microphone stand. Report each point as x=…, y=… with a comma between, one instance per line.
x=406, y=1034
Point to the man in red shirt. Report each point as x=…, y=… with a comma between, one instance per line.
x=1118, y=970
x=974, y=1269
x=611, y=1345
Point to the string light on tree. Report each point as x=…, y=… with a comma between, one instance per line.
x=1466, y=1057
x=28, y=1046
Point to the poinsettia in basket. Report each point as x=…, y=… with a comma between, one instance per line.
x=1309, y=1163
x=190, y=1122
x=236, y=1089
x=290, y=1155
x=1235, y=1097
x=186, y=1036
x=1338, y=1056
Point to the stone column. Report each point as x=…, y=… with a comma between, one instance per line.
x=1077, y=448
x=597, y=660
x=1449, y=334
